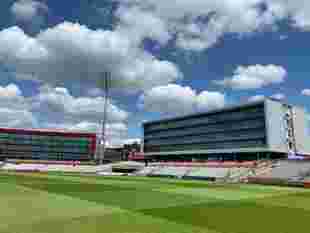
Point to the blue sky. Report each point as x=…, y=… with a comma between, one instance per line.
x=179, y=58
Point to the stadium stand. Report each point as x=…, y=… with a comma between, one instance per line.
x=227, y=164
x=169, y=171
x=285, y=169
x=284, y=173
x=212, y=173
x=214, y=170
x=145, y=171
x=127, y=167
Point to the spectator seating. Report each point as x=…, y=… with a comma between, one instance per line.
x=146, y=171
x=210, y=172
x=170, y=171
x=226, y=164
x=290, y=169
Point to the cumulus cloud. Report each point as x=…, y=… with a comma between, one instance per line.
x=14, y=108
x=75, y=53
x=208, y=100
x=187, y=20
x=95, y=92
x=11, y=97
x=27, y=10
x=31, y=15
x=200, y=24
x=255, y=76
x=10, y=91
x=59, y=100
x=132, y=141
x=141, y=24
x=256, y=98
x=16, y=118
x=169, y=99
x=305, y=92
x=56, y=108
x=178, y=100
x=278, y=96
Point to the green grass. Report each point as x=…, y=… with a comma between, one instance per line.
x=49, y=203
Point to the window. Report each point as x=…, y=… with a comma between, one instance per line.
x=218, y=117
x=249, y=124
x=208, y=146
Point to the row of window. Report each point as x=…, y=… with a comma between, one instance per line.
x=207, y=146
x=44, y=138
x=45, y=147
x=225, y=127
x=204, y=120
x=218, y=137
x=38, y=148
x=41, y=153
x=14, y=155
x=43, y=142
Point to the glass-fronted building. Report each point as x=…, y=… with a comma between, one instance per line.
x=46, y=144
x=244, y=131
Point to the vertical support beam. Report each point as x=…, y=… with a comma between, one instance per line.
x=257, y=156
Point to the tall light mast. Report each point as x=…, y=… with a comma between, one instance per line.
x=102, y=146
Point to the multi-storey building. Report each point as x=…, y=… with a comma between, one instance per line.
x=46, y=144
x=266, y=128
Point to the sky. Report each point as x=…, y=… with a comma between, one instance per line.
x=165, y=58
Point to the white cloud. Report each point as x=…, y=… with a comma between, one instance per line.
x=306, y=92
x=78, y=54
x=11, y=97
x=16, y=118
x=278, y=96
x=132, y=141
x=207, y=100
x=169, y=99
x=95, y=92
x=11, y=91
x=27, y=10
x=255, y=76
x=297, y=11
x=142, y=24
x=177, y=100
x=56, y=108
x=59, y=100
x=182, y=19
x=14, y=108
x=200, y=24
x=256, y=98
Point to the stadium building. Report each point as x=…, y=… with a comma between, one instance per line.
x=262, y=129
x=46, y=145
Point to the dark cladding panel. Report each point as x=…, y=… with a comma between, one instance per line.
x=241, y=127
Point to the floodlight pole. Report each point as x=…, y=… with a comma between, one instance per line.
x=106, y=76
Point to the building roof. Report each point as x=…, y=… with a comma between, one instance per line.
x=47, y=132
